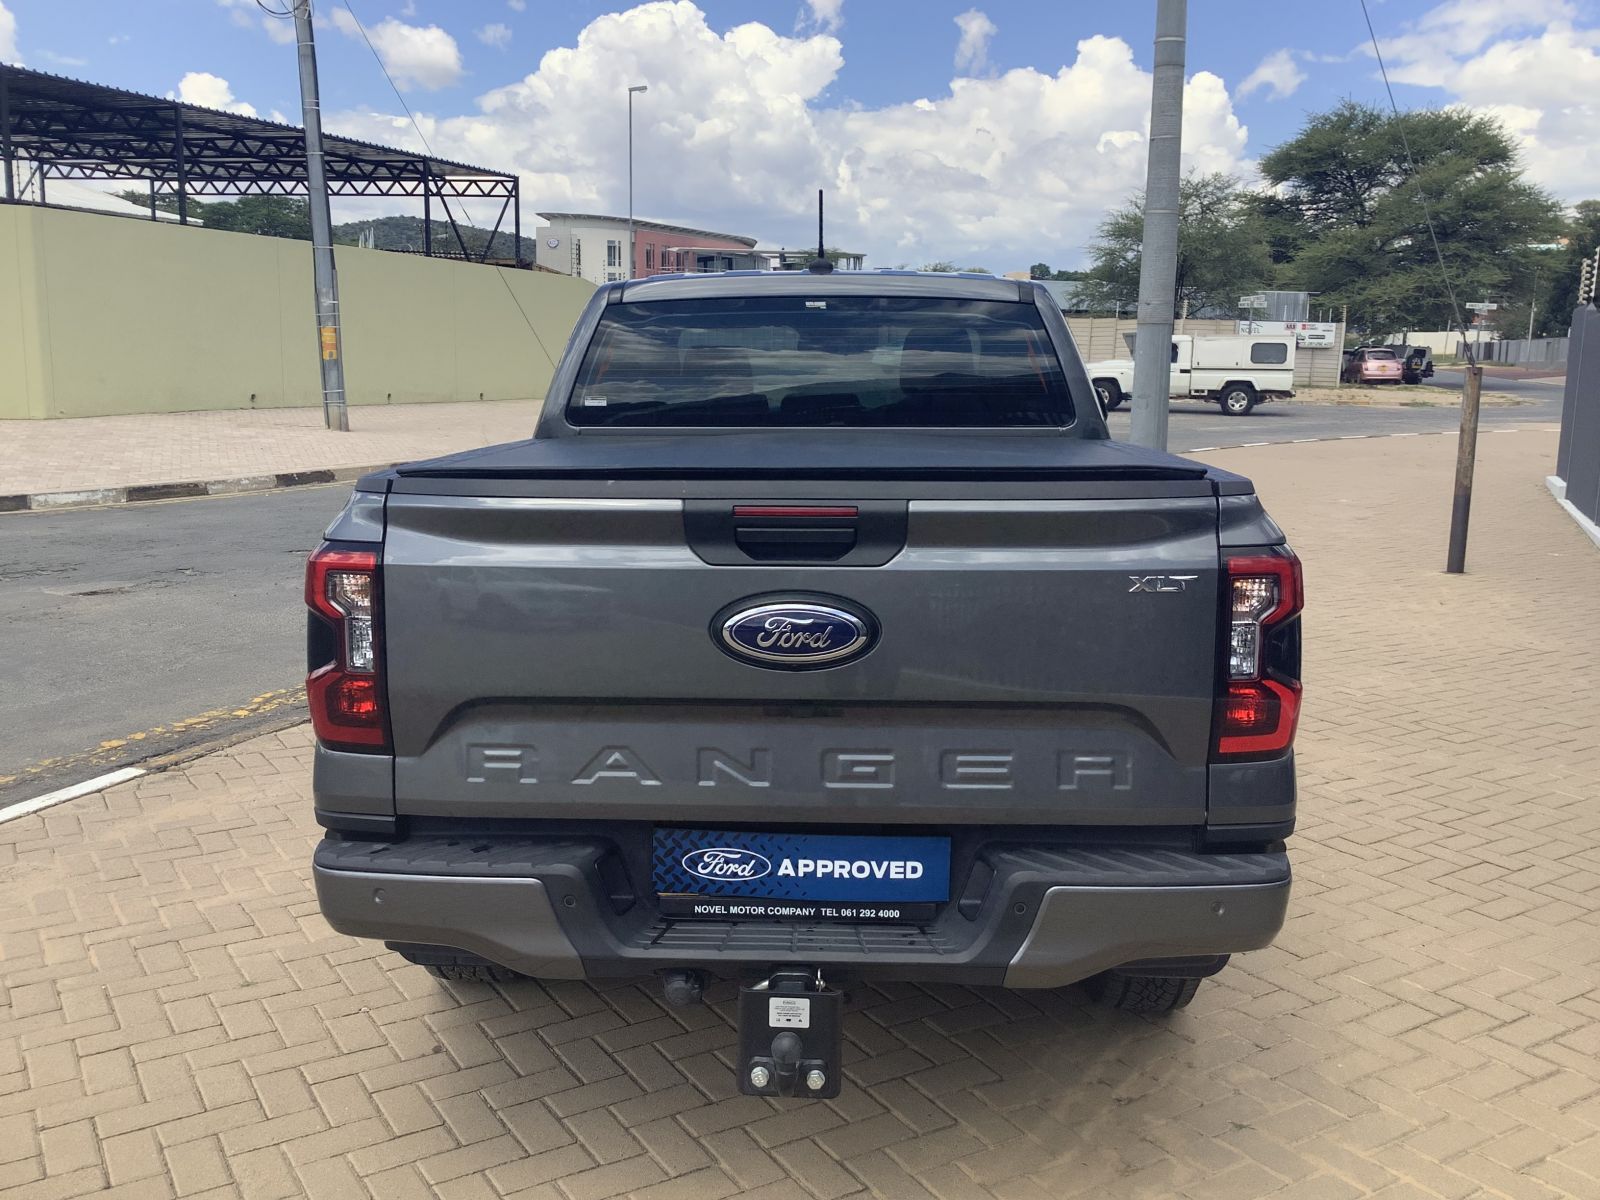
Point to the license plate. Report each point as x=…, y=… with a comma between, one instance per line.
x=717, y=873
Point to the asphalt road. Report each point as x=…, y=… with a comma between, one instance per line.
x=135, y=630
x=1532, y=388
x=116, y=621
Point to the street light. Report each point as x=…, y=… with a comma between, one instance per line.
x=638, y=87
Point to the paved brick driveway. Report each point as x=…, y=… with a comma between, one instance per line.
x=182, y=1022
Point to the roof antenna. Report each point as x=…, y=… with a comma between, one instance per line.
x=820, y=264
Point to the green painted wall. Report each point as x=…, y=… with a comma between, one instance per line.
x=103, y=315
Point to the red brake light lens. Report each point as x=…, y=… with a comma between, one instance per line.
x=346, y=694
x=1258, y=717
x=1259, y=706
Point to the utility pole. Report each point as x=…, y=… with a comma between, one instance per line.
x=1158, y=262
x=638, y=87
x=334, y=412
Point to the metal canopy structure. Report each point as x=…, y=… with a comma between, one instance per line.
x=52, y=127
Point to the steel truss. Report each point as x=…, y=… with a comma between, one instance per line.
x=52, y=127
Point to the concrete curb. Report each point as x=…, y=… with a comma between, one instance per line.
x=140, y=492
x=1558, y=489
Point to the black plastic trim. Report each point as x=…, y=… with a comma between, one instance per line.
x=366, y=825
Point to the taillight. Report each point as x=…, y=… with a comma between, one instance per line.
x=1259, y=704
x=345, y=692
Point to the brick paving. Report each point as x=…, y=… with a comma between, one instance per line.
x=102, y=452
x=180, y=1021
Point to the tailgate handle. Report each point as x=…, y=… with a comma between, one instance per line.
x=795, y=542
x=771, y=532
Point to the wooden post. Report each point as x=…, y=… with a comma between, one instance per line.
x=1466, y=460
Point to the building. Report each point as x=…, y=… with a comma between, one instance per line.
x=789, y=259
x=593, y=246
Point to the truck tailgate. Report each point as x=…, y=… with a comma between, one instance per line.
x=1042, y=659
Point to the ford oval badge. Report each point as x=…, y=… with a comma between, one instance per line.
x=722, y=863
x=795, y=634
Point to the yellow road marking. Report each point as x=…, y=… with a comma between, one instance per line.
x=256, y=706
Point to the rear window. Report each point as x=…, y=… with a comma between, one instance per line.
x=1380, y=356
x=820, y=360
x=1269, y=352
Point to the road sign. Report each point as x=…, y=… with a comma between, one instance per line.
x=1483, y=306
x=1258, y=300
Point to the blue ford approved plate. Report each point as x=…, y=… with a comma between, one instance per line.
x=716, y=873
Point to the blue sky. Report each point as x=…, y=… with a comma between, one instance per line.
x=1030, y=119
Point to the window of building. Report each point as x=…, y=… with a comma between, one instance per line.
x=577, y=256
x=613, y=253
x=649, y=257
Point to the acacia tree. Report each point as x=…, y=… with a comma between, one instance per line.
x=1351, y=217
x=1559, y=280
x=1222, y=248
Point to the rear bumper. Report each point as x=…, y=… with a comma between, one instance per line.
x=1027, y=918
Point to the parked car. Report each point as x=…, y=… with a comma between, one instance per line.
x=1416, y=364
x=820, y=635
x=1236, y=372
x=1371, y=364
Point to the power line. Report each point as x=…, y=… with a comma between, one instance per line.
x=1411, y=164
x=378, y=58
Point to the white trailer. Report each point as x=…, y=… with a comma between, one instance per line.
x=1235, y=371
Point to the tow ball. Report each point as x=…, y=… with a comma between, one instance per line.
x=791, y=1033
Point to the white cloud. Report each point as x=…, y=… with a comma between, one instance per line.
x=498, y=35
x=517, y=5
x=62, y=60
x=972, y=51
x=825, y=15
x=210, y=91
x=8, y=36
x=1277, y=72
x=732, y=135
x=116, y=39
x=1532, y=65
x=249, y=15
x=415, y=55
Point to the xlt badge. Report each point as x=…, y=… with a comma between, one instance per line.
x=1160, y=583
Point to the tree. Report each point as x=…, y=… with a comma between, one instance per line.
x=288, y=217
x=1222, y=249
x=269, y=216
x=941, y=266
x=1560, y=281
x=1041, y=270
x=1352, y=228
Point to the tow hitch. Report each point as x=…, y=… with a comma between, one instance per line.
x=791, y=1033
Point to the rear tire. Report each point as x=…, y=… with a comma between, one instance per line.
x=1147, y=994
x=1238, y=399
x=473, y=972
x=1110, y=393
x=444, y=963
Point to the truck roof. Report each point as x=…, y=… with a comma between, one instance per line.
x=938, y=285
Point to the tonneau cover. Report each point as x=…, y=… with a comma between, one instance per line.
x=812, y=454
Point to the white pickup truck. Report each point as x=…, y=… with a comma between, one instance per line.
x=1237, y=372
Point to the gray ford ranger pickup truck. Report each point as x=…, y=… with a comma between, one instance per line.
x=820, y=635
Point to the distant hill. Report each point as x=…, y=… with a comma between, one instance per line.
x=405, y=233
x=286, y=217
